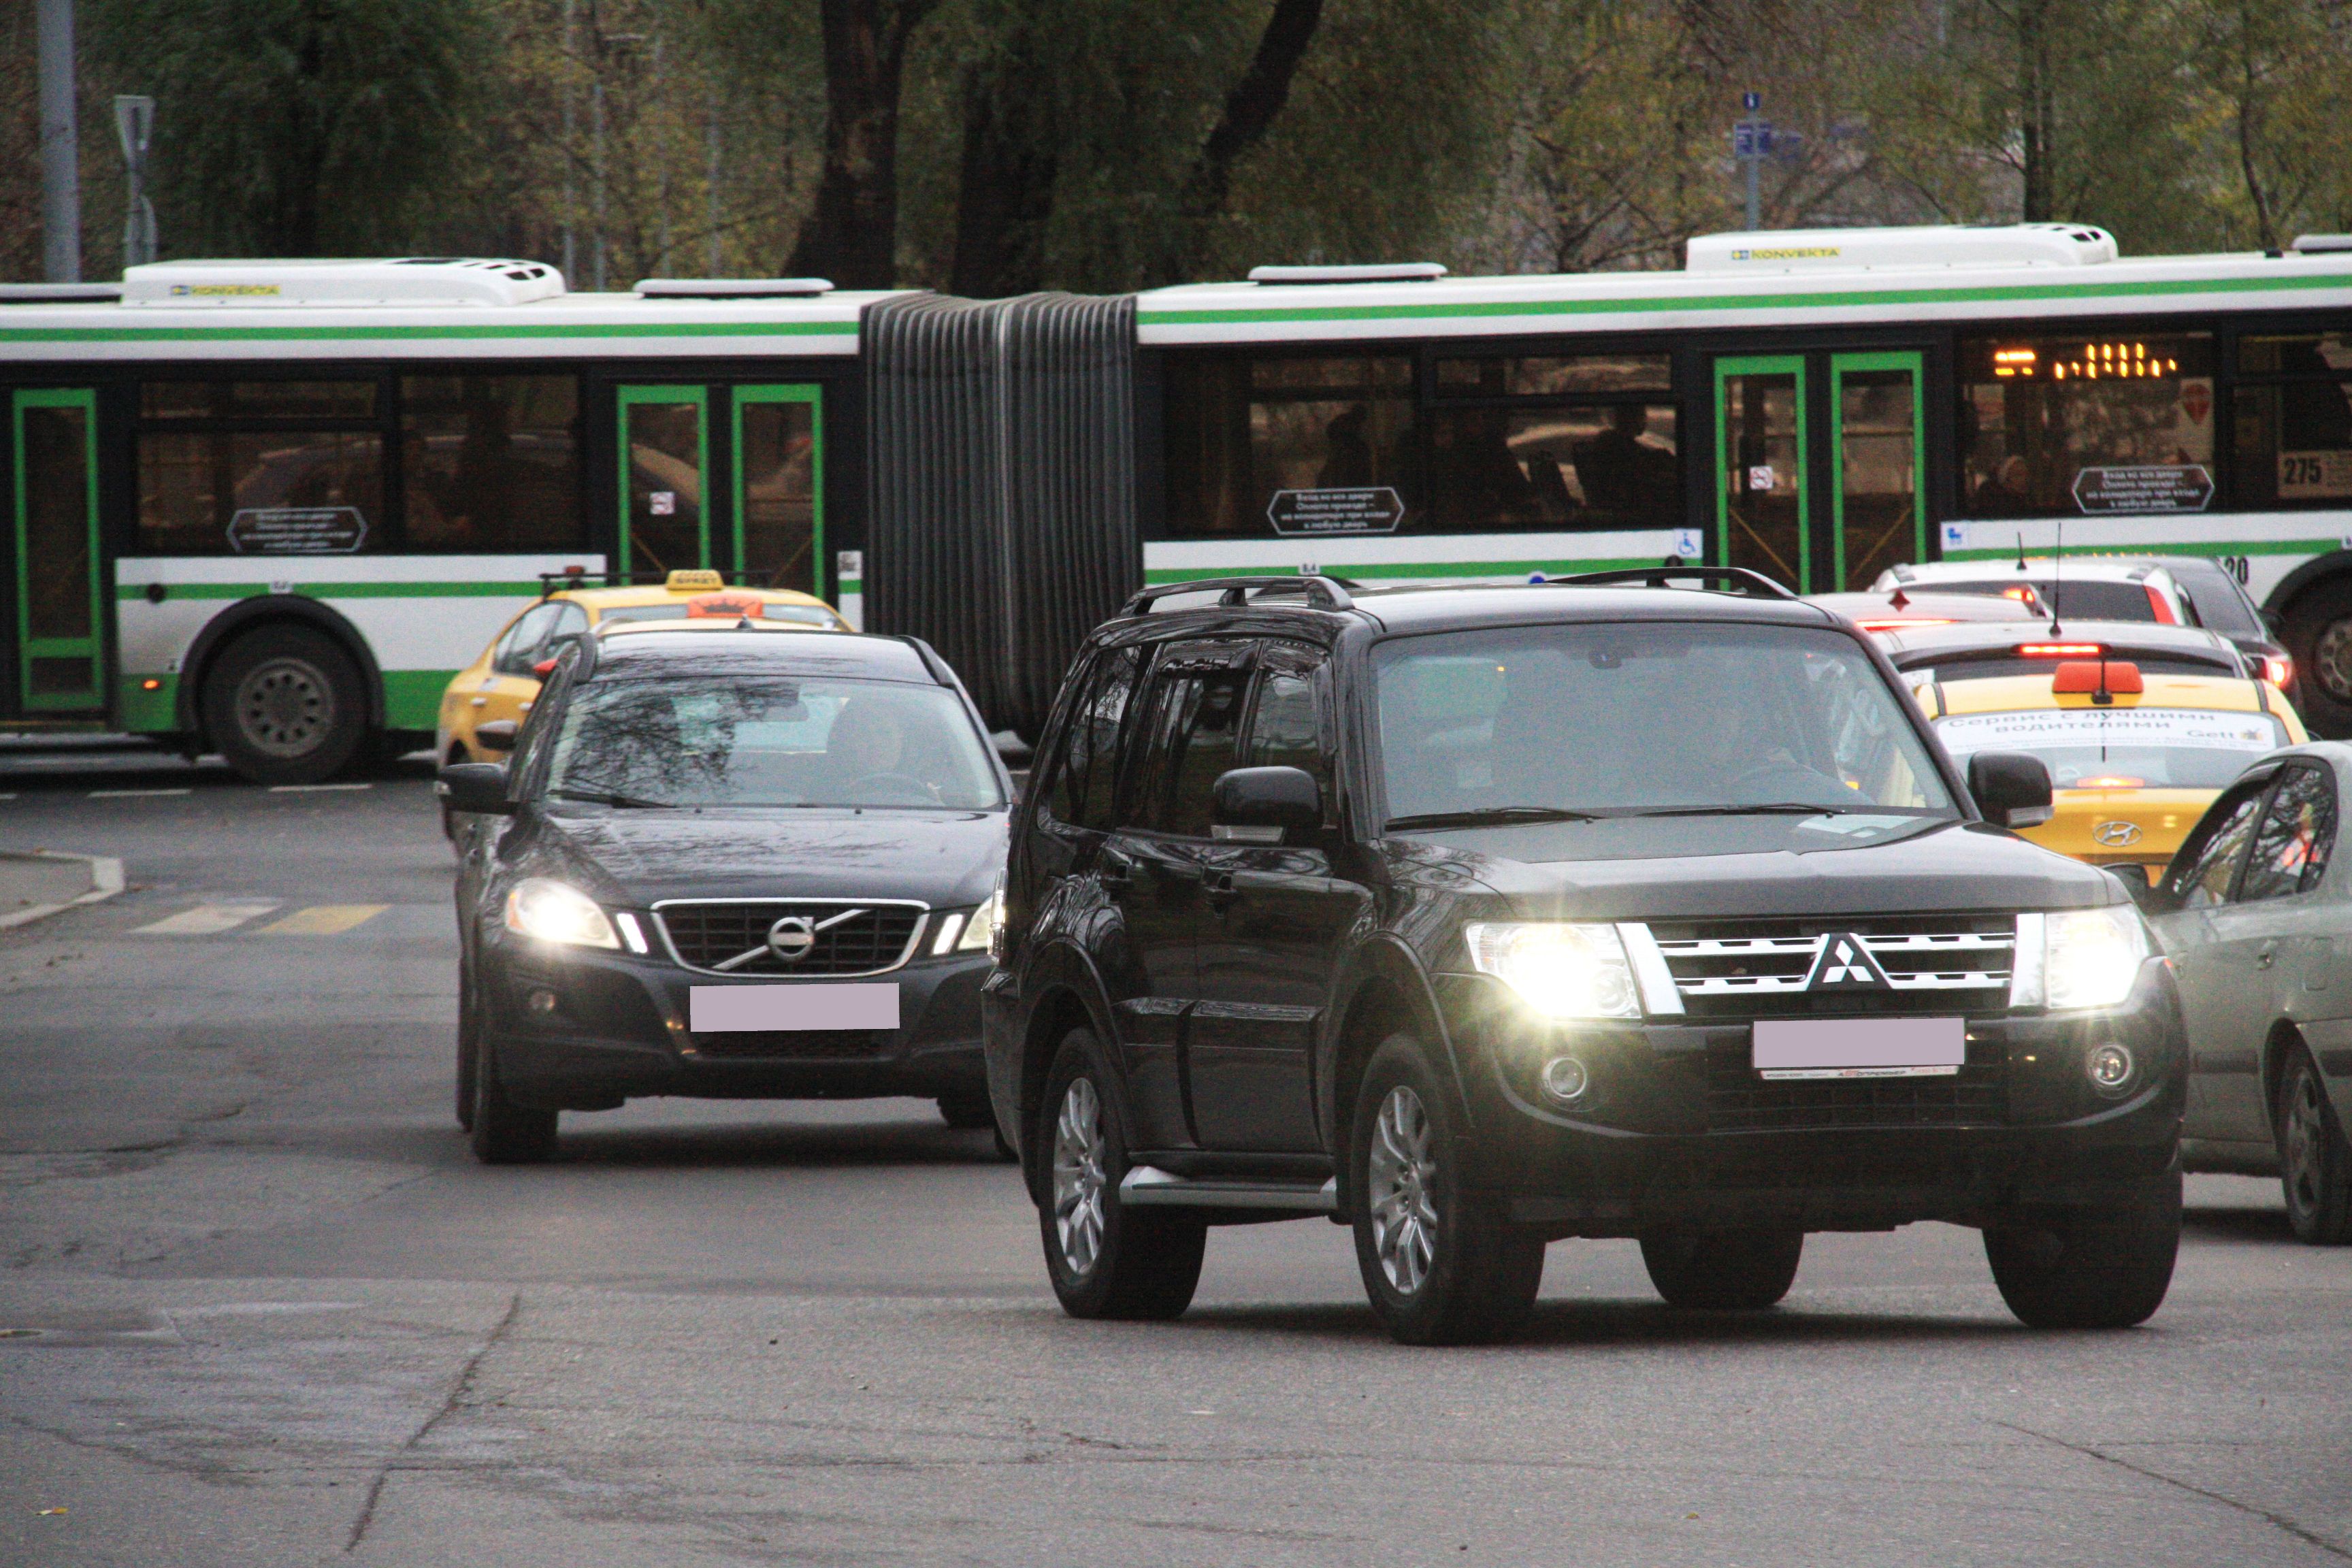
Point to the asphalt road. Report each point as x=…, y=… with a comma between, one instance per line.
x=260, y=1307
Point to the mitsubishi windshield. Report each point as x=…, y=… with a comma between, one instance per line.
x=1697, y=735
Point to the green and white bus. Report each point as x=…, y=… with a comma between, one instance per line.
x=1816, y=405
x=269, y=508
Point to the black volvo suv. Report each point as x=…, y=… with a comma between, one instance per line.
x=1641, y=904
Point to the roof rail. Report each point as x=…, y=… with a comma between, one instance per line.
x=1324, y=593
x=1734, y=580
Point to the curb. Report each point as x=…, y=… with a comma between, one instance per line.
x=105, y=881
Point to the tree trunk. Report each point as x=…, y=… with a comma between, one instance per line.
x=2036, y=107
x=1004, y=196
x=1249, y=113
x=852, y=234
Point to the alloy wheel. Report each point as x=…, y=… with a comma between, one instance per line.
x=1079, y=1179
x=2331, y=659
x=2306, y=1143
x=1399, y=1178
x=285, y=707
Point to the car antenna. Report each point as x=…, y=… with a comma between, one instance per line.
x=2057, y=571
x=2021, y=550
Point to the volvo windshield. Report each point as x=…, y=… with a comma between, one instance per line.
x=694, y=741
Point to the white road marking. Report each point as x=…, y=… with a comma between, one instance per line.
x=207, y=920
x=134, y=794
x=314, y=789
x=325, y=919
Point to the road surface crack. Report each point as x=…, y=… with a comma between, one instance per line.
x=449, y=1405
x=2276, y=1520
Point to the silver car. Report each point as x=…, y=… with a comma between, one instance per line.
x=2257, y=916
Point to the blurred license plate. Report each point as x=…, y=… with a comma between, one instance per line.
x=745, y=1009
x=1861, y=1047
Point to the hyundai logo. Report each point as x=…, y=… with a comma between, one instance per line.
x=2116, y=834
x=791, y=938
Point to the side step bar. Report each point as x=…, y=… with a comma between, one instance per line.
x=1147, y=1186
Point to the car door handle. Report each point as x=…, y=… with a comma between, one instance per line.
x=1221, y=889
x=2268, y=955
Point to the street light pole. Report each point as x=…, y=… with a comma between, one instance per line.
x=135, y=122
x=1751, y=144
x=61, y=149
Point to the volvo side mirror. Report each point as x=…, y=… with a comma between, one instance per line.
x=1255, y=806
x=2012, y=788
x=497, y=735
x=479, y=788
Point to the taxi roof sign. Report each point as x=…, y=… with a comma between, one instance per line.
x=694, y=580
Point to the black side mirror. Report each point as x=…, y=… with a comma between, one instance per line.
x=479, y=788
x=1254, y=806
x=497, y=735
x=2012, y=788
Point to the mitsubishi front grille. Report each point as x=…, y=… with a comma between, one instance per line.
x=791, y=936
x=1764, y=968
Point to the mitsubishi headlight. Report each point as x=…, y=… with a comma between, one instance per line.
x=2091, y=957
x=1561, y=971
x=554, y=911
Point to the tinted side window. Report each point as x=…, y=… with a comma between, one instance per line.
x=1286, y=729
x=1083, y=792
x=1194, y=723
x=518, y=649
x=2298, y=830
x=2202, y=875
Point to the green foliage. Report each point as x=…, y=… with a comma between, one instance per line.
x=294, y=127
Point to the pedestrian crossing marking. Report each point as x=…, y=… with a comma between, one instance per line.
x=325, y=919
x=207, y=920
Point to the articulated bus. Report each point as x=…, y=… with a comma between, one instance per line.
x=1816, y=405
x=269, y=508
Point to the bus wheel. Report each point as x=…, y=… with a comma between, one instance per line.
x=2319, y=636
x=285, y=705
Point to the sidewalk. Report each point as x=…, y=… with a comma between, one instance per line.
x=45, y=882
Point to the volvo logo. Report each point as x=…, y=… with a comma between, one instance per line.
x=791, y=938
x=2116, y=834
x=1845, y=965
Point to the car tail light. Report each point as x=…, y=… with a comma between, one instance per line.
x=1904, y=622
x=2098, y=678
x=2278, y=670
x=2161, y=607
x=2061, y=651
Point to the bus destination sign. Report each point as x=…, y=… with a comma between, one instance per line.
x=1371, y=508
x=297, y=530
x=2151, y=486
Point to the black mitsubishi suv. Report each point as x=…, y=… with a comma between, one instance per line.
x=1641, y=904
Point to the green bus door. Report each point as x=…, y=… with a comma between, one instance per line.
x=1878, y=455
x=664, y=440
x=779, y=444
x=1763, y=516
x=54, y=457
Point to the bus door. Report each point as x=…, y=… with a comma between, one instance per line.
x=1763, y=514
x=664, y=444
x=779, y=464
x=53, y=460
x=1804, y=438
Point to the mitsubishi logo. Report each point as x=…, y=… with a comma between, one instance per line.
x=2116, y=834
x=1845, y=965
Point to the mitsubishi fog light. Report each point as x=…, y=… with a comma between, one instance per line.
x=1561, y=971
x=552, y=911
x=2092, y=957
x=1565, y=1079
x=2110, y=1066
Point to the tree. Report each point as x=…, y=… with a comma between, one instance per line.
x=2275, y=72
x=294, y=127
x=851, y=235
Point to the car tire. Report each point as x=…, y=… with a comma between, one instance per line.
x=1442, y=1265
x=469, y=1037
x=967, y=1112
x=284, y=704
x=2104, y=1267
x=504, y=1132
x=2318, y=635
x=2314, y=1162
x=1743, y=1271
x=1105, y=1259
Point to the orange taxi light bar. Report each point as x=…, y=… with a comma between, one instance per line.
x=2098, y=678
x=2061, y=651
x=725, y=607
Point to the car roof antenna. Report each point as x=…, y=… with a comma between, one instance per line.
x=2057, y=573
x=2021, y=550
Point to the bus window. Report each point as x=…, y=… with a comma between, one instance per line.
x=223, y=492
x=490, y=463
x=1251, y=441
x=1553, y=376
x=1588, y=468
x=2059, y=426
x=2294, y=420
x=258, y=400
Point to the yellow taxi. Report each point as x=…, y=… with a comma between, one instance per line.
x=2134, y=758
x=499, y=687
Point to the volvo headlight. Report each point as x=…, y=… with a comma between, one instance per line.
x=2090, y=958
x=981, y=931
x=554, y=912
x=1560, y=969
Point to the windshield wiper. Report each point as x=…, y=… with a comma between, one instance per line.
x=1487, y=816
x=1773, y=808
x=608, y=797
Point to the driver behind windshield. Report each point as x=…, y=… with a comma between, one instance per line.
x=770, y=743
